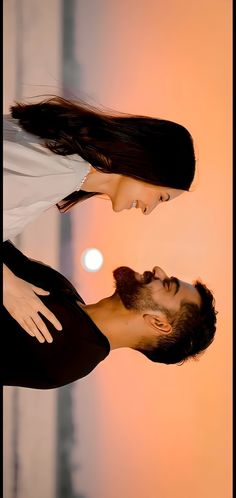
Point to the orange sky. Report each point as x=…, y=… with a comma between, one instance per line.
x=162, y=430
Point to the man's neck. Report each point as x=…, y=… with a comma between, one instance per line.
x=114, y=321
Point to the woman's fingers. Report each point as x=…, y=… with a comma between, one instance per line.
x=25, y=327
x=35, y=327
x=42, y=327
x=24, y=305
x=44, y=310
x=29, y=325
x=39, y=291
x=50, y=316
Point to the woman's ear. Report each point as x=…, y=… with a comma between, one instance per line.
x=158, y=322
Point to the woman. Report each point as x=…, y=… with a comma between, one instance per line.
x=57, y=152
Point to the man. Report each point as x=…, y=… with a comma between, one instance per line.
x=164, y=318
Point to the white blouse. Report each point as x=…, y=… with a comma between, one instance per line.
x=34, y=178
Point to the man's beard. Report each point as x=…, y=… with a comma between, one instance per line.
x=134, y=294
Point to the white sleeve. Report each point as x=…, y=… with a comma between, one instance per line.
x=34, y=178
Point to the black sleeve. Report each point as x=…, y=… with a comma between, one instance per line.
x=36, y=272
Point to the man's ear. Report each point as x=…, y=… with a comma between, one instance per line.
x=158, y=323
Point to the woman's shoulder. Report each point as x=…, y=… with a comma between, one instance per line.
x=11, y=127
x=12, y=132
x=21, y=150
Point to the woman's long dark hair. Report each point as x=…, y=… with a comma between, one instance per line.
x=153, y=150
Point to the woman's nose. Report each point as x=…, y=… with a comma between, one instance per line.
x=151, y=208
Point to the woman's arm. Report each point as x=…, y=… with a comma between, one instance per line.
x=21, y=301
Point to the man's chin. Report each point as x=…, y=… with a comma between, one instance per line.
x=123, y=273
x=126, y=285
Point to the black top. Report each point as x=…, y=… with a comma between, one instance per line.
x=74, y=352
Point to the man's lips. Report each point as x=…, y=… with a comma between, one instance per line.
x=147, y=277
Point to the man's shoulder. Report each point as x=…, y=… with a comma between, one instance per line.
x=36, y=272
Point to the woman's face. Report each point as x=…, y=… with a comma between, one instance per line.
x=128, y=193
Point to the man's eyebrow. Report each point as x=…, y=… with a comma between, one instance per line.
x=177, y=283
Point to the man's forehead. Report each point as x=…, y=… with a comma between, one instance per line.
x=190, y=290
x=187, y=285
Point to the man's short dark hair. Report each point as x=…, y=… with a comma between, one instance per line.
x=193, y=331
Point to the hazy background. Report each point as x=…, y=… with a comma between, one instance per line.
x=131, y=429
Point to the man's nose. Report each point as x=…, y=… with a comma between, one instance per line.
x=159, y=273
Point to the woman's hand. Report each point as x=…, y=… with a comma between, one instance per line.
x=21, y=301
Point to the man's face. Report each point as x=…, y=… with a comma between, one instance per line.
x=153, y=290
